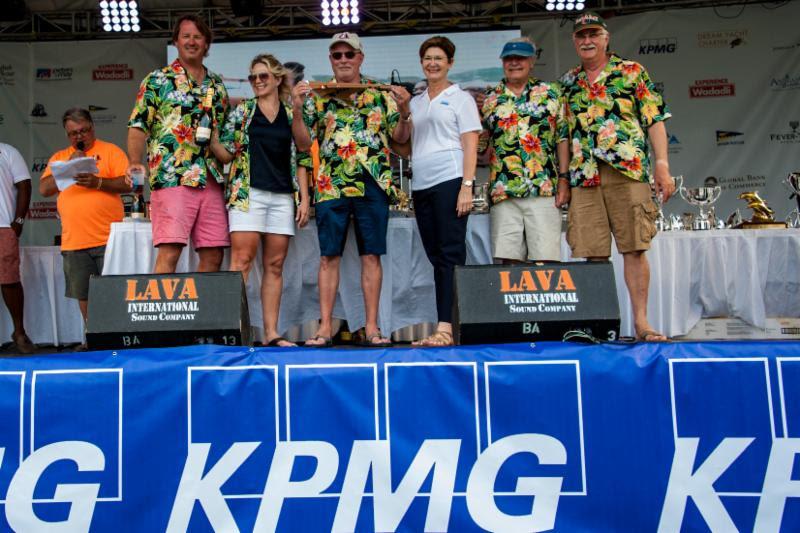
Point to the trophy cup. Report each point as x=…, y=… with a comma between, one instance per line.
x=763, y=216
x=662, y=223
x=793, y=183
x=701, y=197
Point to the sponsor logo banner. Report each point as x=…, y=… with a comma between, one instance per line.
x=674, y=146
x=791, y=136
x=722, y=38
x=788, y=81
x=54, y=74
x=101, y=118
x=7, y=76
x=664, y=45
x=725, y=138
x=712, y=88
x=43, y=210
x=500, y=438
x=39, y=115
x=746, y=182
x=39, y=164
x=112, y=72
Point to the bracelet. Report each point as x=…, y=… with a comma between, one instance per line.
x=662, y=162
x=563, y=175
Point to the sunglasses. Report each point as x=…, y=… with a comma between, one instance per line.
x=350, y=54
x=261, y=76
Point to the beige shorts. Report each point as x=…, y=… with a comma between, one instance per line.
x=619, y=206
x=526, y=228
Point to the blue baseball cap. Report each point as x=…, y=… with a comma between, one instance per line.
x=518, y=48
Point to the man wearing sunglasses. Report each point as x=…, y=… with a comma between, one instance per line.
x=353, y=129
x=89, y=207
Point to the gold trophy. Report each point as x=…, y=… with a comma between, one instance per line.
x=763, y=216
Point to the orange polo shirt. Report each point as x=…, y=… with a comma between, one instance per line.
x=86, y=214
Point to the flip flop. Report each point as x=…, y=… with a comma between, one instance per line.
x=327, y=342
x=645, y=336
x=276, y=343
x=369, y=342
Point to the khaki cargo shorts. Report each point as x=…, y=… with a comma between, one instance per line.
x=619, y=206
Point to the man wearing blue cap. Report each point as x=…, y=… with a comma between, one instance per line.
x=523, y=116
x=610, y=103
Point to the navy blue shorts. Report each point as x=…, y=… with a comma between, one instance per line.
x=371, y=214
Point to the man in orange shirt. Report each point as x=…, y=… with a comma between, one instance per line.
x=88, y=207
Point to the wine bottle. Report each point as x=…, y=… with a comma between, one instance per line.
x=203, y=132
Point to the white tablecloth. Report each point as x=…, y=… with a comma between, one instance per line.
x=750, y=274
x=49, y=317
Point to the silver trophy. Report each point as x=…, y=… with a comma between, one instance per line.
x=662, y=222
x=792, y=182
x=701, y=197
x=480, y=200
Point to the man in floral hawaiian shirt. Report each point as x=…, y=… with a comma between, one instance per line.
x=523, y=117
x=610, y=104
x=353, y=129
x=186, y=196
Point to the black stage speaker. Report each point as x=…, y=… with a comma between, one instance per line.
x=504, y=303
x=167, y=310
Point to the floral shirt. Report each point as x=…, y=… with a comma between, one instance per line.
x=167, y=109
x=235, y=139
x=524, y=134
x=607, y=119
x=353, y=140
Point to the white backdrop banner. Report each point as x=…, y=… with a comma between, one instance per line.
x=42, y=80
x=731, y=77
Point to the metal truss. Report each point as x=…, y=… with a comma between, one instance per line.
x=301, y=18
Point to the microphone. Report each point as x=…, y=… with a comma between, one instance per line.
x=80, y=145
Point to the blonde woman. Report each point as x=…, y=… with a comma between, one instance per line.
x=265, y=173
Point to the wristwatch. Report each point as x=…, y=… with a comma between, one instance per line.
x=563, y=175
x=467, y=183
x=19, y=220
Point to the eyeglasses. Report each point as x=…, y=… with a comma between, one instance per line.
x=77, y=133
x=261, y=76
x=437, y=59
x=350, y=54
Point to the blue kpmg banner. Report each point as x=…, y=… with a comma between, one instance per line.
x=673, y=437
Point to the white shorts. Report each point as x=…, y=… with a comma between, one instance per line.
x=526, y=228
x=269, y=212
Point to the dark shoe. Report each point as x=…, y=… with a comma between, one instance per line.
x=323, y=342
x=23, y=345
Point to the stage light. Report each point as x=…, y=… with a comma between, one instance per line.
x=120, y=15
x=339, y=12
x=565, y=5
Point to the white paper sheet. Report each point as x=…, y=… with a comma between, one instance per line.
x=64, y=172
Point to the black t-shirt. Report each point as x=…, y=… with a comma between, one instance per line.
x=270, y=152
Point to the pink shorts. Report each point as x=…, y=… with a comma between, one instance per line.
x=9, y=257
x=179, y=213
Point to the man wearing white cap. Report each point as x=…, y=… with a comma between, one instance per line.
x=353, y=128
x=610, y=103
x=523, y=116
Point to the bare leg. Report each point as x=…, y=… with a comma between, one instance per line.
x=328, y=285
x=274, y=254
x=371, y=280
x=210, y=259
x=14, y=298
x=167, y=258
x=637, y=278
x=244, y=245
x=84, y=307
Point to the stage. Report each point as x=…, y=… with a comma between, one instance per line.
x=521, y=437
